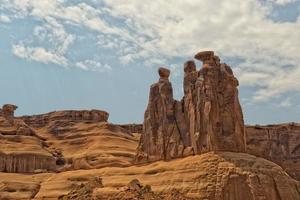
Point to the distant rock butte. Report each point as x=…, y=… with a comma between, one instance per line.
x=279, y=143
x=66, y=115
x=208, y=118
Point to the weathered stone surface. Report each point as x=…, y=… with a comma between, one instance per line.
x=164, y=73
x=133, y=128
x=208, y=118
x=210, y=176
x=66, y=115
x=8, y=110
x=83, y=190
x=279, y=143
x=21, y=149
x=23, y=162
x=215, y=115
x=161, y=136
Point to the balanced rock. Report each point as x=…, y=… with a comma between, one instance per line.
x=208, y=118
x=164, y=73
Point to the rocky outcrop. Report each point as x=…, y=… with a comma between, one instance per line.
x=8, y=111
x=208, y=118
x=211, y=105
x=84, y=190
x=279, y=143
x=26, y=162
x=66, y=115
x=161, y=138
x=21, y=149
x=133, y=128
x=9, y=125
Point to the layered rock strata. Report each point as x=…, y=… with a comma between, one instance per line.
x=66, y=115
x=279, y=143
x=208, y=118
x=133, y=128
x=21, y=149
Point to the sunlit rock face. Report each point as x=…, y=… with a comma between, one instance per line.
x=21, y=149
x=161, y=138
x=208, y=118
x=279, y=143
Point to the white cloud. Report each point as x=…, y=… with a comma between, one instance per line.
x=160, y=30
x=38, y=54
x=285, y=103
x=91, y=65
x=282, y=2
x=233, y=28
x=4, y=18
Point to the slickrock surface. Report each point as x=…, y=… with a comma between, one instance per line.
x=85, y=142
x=211, y=176
x=279, y=143
x=208, y=118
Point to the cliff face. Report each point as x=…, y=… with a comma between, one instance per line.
x=208, y=118
x=279, y=143
x=161, y=138
x=21, y=149
x=66, y=115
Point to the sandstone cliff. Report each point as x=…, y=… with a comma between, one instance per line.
x=21, y=149
x=66, y=115
x=208, y=118
x=279, y=143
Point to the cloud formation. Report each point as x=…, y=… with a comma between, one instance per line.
x=38, y=54
x=4, y=18
x=159, y=31
x=91, y=65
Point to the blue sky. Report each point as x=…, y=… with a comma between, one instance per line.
x=101, y=54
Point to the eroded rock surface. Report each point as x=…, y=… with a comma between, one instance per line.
x=133, y=128
x=161, y=138
x=21, y=149
x=210, y=176
x=279, y=143
x=66, y=115
x=208, y=118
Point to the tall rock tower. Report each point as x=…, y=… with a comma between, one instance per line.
x=208, y=118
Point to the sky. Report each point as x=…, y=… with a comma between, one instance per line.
x=104, y=54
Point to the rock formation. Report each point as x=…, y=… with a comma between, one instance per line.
x=279, y=143
x=208, y=118
x=8, y=111
x=161, y=138
x=133, y=128
x=66, y=115
x=21, y=149
x=84, y=190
